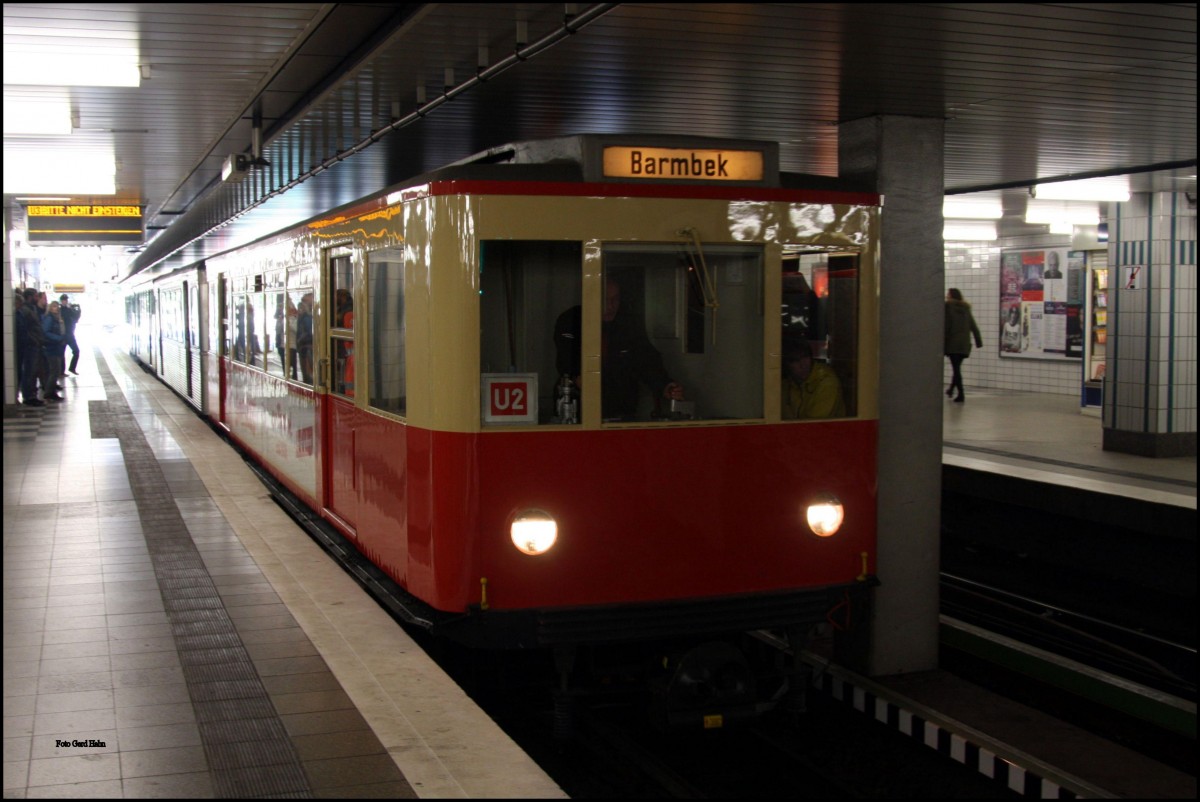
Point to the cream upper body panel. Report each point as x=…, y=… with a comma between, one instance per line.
x=443, y=236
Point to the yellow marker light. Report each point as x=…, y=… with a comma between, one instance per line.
x=534, y=532
x=825, y=516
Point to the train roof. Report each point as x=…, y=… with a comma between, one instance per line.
x=590, y=158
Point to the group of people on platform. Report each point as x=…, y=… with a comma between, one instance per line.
x=44, y=332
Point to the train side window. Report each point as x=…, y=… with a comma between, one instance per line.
x=276, y=323
x=385, y=295
x=341, y=334
x=689, y=314
x=241, y=348
x=258, y=324
x=300, y=297
x=524, y=287
x=300, y=352
x=193, y=315
x=820, y=318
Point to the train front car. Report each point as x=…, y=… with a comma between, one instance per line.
x=612, y=366
x=550, y=392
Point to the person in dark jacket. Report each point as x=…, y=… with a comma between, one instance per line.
x=29, y=325
x=628, y=358
x=70, y=315
x=960, y=328
x=55, y=333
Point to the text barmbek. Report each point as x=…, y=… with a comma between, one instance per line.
x=692, y=166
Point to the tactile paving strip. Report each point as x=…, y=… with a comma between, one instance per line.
x=248, y=750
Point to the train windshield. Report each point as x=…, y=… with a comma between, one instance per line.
x=667, y=332
x=682, y=332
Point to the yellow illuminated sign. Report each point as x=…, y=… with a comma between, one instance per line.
x=85, y=210
x=99, y=223
x=689, y=164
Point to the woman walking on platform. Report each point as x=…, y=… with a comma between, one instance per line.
x=960, y=327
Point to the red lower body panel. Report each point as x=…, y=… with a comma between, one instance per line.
x=643, y=515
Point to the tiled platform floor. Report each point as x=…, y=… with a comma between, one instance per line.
x=169, y=632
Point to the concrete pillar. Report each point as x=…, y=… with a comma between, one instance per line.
x=902, y=157
x=1150, y=366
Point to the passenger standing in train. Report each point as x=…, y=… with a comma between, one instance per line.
x=280, y=328
x=239, y=332
x=304, y=336
x=627, y=357
x=960, y=328
x=29, y=327
x=810, y=389
x=55, y=333
x=251, y=334
x=70, y=316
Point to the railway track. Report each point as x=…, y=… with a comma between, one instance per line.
x=1138, y=656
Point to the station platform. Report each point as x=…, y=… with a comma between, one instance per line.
x=170, y=632
x=1049, y=439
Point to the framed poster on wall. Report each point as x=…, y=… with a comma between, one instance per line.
x=1041, y=303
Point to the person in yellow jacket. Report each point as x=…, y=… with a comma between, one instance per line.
x=810, y=389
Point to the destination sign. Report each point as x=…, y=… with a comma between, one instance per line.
x=685, y=164
x=85, y=223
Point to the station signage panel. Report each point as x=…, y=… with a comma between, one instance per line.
x=683, y=164
x=85, y=223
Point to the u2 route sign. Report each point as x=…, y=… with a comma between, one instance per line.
x=509, y=397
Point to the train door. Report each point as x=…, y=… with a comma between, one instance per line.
x=155, y=332
x=186, y=322
x=221, y=332
x=339, y=411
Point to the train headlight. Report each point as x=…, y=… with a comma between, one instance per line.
x=534, y=532
x=825, y=516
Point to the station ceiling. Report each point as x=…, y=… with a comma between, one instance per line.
x=350, y=97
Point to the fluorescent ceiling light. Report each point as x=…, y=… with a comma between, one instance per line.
x=968, y=231
x=1098, y=189
x=37, y=117
x=1076, y=213
x=80, y=67
x=1062, y=227
x=29, y=171
x=973, y=208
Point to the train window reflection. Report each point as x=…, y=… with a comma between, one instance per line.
x=525, y=288
x=682, y=332
x=300, y=358
x=256, y=328
x=385, y=293
x=277, y=332
x=240, y=345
